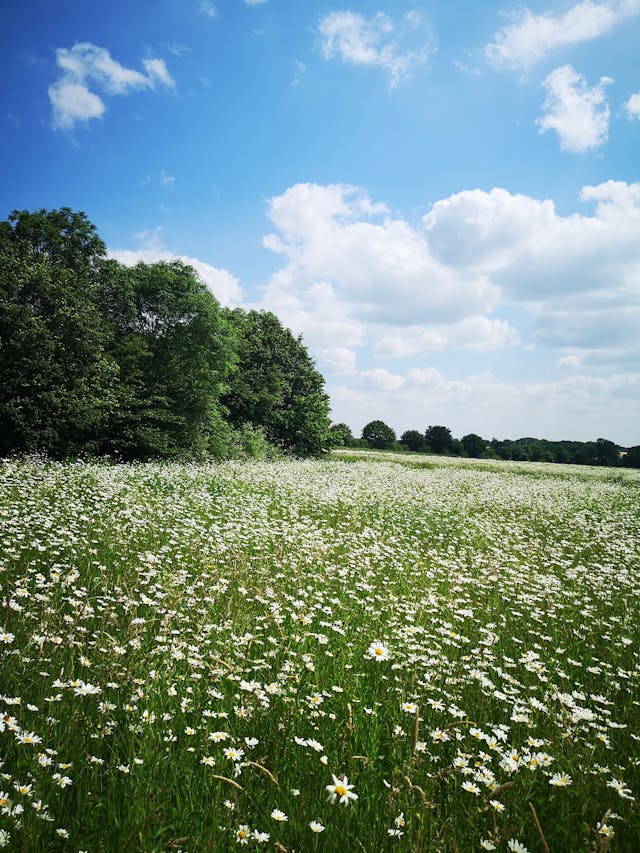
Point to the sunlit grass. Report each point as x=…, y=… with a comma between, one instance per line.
x=322, y=655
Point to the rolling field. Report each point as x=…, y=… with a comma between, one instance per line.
x=369, y=652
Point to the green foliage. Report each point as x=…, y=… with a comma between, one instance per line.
x=413, y=440
x=378, y=435
x=340, y=436
x=141, y=362
x=276, y=385
x=174, y=349
x=438, y=439
x=57, y=378
x=473, y=445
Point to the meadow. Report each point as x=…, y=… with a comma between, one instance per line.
x=366, y=652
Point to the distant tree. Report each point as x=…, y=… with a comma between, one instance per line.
x=607, y=452
x=57, y=379
x=379, y=435
x=631, y=459
x=473, y=445
x=276, y=385
x=413, y=440
x=438, y=439
x=340, y=435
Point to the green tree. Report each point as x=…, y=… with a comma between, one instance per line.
x=438, y=439
x=473, y=445
x=174, y=349
x=57, y=379
x=276, y=385
x=631, y=458
x=340, y=435
x=379, y=435
x=413, y=440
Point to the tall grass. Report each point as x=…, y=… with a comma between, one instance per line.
x=320, y=656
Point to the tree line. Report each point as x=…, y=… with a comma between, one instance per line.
x=139, y=362
x=438, y=439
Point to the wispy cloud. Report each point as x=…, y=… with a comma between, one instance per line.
x=530, y=37
x=208, y=8
x=376, y=41
x=578, y=113
x=85, y=65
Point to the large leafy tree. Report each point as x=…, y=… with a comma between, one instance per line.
x=413, y=440
x=174, y=350
x=473, y=445
x=379, y=435
x=57, y=380
x=438, y=438
x=276, y=385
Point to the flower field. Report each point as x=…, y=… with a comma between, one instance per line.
x=359, y=653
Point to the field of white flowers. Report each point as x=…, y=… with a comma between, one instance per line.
x=368, y=654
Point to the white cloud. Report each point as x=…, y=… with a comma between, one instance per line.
x=381, y=266
x=578, y=114
x=632, y=106
x=224, y=286
x=73, y=102
x=576, y=407
x=375, y=41
x=254, y=2
x=383, y=379
x=473, y=333
x=86, y=64
x=532, y=37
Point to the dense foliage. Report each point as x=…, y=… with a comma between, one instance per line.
x=140, y=362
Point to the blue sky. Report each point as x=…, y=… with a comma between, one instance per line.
x=443, y=198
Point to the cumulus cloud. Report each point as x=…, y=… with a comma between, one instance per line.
x=376, y=41
x=85, y=65
x=632, y=106
x=382, y=266
x=224, y=286
x=578, y=113
x=530, y=37
x=473, y=333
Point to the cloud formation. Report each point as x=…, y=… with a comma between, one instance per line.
x=85, y=65
x=376, y=41
x=578, y=113
x=530, y=37
x=632, y=106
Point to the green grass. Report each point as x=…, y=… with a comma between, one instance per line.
x=148, y=608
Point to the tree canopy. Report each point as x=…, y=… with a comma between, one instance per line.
x=379, y=435
x=139, y=362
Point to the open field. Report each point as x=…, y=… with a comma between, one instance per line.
x=194, y=657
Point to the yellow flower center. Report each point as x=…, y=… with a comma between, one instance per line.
x=341, y=790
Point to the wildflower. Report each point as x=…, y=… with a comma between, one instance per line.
x=342, y=789
x=560, y=780
x=28, y=737
x=233, y=754
x=395, y=833
x=5, y=837
x=208, y=760
x=63, y=781
x=470, y=787
x=229, y=805
x=409, y=707
x=316, y=826
x=279, y=815
x=487, y=845
x=516, y=846
x=242, y=834
x=260, y=837
x=378, y=651
x=497, y=805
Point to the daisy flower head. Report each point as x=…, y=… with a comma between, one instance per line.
x=378, y=651
x=341, y=789
x=560, y=780
x=277, y=814
x=516, y=846
x=243, y=834
x=316, y=826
